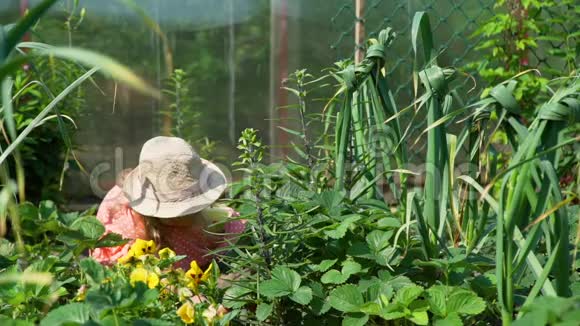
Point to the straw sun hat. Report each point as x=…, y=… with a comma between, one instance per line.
x=171, y=180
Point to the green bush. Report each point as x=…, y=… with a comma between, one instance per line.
x=48, y=152
x=524, y=35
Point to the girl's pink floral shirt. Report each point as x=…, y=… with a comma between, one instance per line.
x=117, y=217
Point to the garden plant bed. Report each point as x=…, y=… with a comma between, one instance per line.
x=483, y=230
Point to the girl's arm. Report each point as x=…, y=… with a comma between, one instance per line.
x=117, y=217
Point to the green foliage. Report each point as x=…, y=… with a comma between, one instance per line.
x=251, y=148
x=180, y=110
x=183, y=113
x=12, y=57
x=34, y=88
x=351, y=250
x=321, y=242
x=519, y=32
x=438, y=101
x=360, y=106
x=55, y=241
x=51, y=283
x=449, y=303
x=284, y=282
x=309, y=255
x=551, y=311
x=346, y=298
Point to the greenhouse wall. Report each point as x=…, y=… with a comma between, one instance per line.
x=236, y=55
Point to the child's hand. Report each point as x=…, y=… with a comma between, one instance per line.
x=232, y=212
x=216, y=217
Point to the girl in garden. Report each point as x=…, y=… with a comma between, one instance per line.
x=166, y=199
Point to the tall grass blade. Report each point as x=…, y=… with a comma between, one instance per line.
x=7, y=85
x=105, y=64
x=421, y=26
x=342, y=141
x=22, y=136
x=534, y=263
x=15, y=34
x=541, y=279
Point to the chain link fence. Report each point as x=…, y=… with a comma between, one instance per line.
x=560, y=34
x=452, y=22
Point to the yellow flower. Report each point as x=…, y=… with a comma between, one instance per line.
x=139, y=275
x=187, y=313
x=207, y=273
x=194, y=269
x=166, y=253
x=197, y=275
x=127, y=258
x=142, y=247
x=139, y=248
x=145, y=276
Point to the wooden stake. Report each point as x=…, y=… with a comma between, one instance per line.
x=359, y=31
x=282, y=95
x=272, y=104
x=23, y=8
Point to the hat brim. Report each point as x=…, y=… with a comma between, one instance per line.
x=215, y=184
